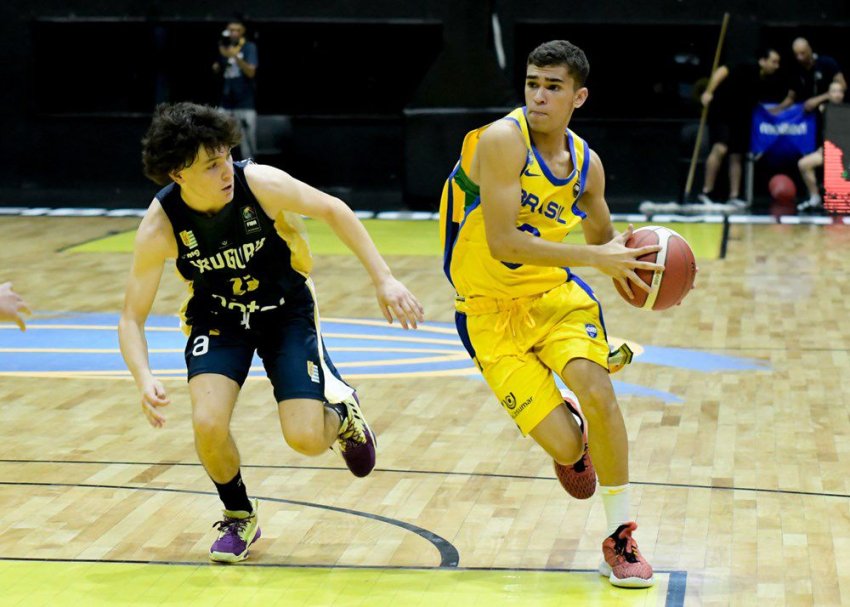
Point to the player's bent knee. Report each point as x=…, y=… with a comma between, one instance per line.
x=598, y=400
x=307, y=441
x=209, y=429
x=595, y=393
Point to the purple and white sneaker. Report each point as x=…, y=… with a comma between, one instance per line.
x=356, y=440
x=236, y=532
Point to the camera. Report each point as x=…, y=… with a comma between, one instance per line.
x=225, y=39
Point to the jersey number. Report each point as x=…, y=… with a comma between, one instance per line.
x=201, y=345
x=244, y=284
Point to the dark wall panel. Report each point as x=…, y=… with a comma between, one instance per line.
x=81, y=78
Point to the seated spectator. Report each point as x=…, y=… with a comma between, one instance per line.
x=809, y=162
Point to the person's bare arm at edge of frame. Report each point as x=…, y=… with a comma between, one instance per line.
x=278, y=191
x=153, y=245
x=500, y=159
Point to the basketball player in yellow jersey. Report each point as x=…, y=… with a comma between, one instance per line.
x=522, y=183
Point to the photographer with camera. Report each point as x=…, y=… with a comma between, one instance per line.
x=238, y=66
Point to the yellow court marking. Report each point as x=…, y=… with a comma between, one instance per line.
x=422, y=238
x=94, y=584
x=393, y=237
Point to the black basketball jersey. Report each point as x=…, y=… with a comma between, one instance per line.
x=238, y=262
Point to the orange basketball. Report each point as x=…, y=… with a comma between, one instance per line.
x=680, y=269
x=782, y=189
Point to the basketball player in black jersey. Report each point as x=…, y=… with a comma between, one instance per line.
x=235, y=231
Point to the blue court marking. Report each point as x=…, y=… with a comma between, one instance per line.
x=703, y=362
x=676, y=587
x=624, y=389
x=87, y=345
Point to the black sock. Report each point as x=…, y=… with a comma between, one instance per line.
x=234, y=495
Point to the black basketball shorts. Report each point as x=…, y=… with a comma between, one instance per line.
x=288, y=341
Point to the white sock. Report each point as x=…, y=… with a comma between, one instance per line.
x=616, y=503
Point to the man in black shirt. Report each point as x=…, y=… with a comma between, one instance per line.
x=733, y=95
x=813, y=73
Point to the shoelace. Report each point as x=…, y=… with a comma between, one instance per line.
x=580, y=466
x=232, y=525
x=354, y=431
x=627, y=548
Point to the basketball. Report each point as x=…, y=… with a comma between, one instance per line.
x=782, y=189
x=680, y=268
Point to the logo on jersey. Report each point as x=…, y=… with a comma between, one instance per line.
x=528, y=163
x=249, y=218
x=510, y=403
x=576, y=189
x=592, y=331
x=313, y=372
x=188, y=239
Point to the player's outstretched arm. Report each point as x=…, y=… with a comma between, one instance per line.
x=154, y=243
x=278, y=192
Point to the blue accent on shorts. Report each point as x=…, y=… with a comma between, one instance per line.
x=586, y=288
x=463, y=333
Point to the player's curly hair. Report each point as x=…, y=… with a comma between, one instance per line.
x=177, y=132
x=561, y=52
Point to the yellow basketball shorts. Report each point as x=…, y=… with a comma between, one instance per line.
x=518, y=344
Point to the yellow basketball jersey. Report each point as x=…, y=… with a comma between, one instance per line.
x=548, y=209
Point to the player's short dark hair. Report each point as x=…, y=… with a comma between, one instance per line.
x=561, y=52
x=176, y=133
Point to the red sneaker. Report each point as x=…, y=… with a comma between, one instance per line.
x=579, y=480
x=622, y=563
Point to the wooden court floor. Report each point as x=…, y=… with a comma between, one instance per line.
x=740, y=470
